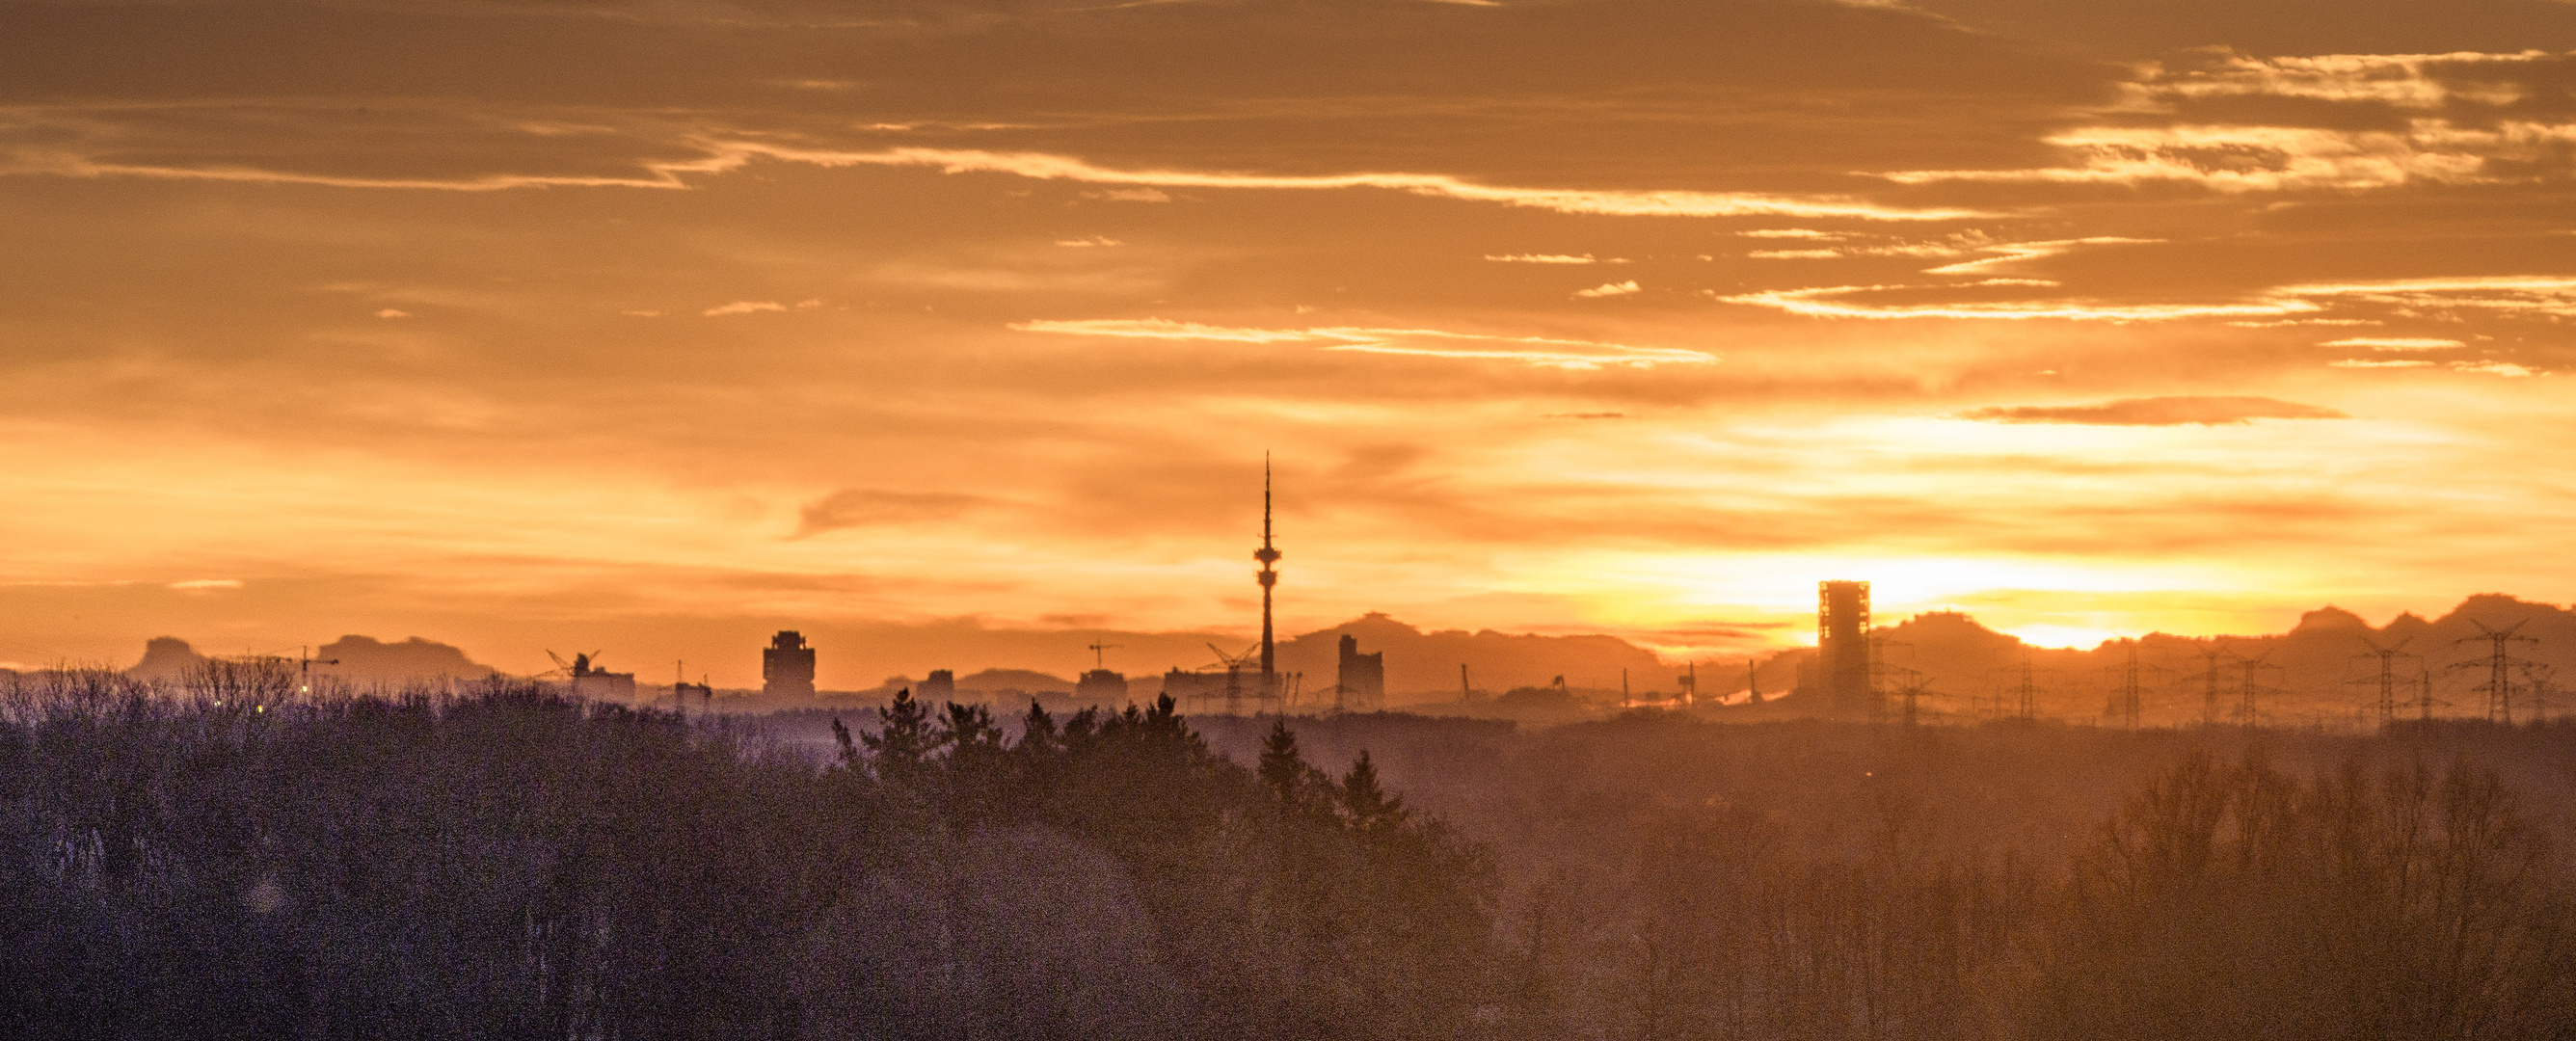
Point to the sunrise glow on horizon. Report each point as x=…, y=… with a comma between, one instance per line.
x=658, y=329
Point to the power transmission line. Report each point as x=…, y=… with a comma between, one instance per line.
x=2387, y=675
x=2209, y=680
x=2247, y=711
x=2500, y=664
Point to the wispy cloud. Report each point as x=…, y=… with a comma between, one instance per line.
x=2420, y=81
x=200, y=585
x=2013, y=252
x=1541, y=351
x=2485, y=142
x=2395, y=343
x=2163, y=411
x=1552, y=258
x=392, y=313
x=719, y=153
x=1606, y=202
x=2498, y=368
x=2275, y=158
x=1965, y=244
x=2368, y=363
x=870, y=507
x=745, y=307
x=1627, y=288
x=93, y=143
x=1829, y=302
x=2540, y=295
x=2548, y=296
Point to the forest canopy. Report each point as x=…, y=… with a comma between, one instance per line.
x=222, y=856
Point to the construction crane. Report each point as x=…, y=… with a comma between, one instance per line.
x=681, y=688
x=581, y=665
x=304, y=664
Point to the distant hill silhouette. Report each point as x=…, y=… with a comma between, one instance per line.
x=361, y=659
x=367, y=660
x=992, y=681
x=165, y=658
x=2319, y=671
x=1425, y=664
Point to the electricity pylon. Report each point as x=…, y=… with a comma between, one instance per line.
x=2029, y=691
x=1880, y=670
x=2247, y=711
x=2500, y=665
x=2424, y=694
x=2131, y=692
x=2536, y=678
x=2387, y=675
x=2209, y=680
x=2020, y=691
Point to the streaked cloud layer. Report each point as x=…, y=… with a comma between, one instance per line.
x=2156, y=412
x=654, y=326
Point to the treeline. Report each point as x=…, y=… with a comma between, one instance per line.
x=240, y=859
x=241, y=862
x=1666, y=877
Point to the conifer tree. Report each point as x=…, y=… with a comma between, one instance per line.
x=849, y=750
x=1365, y=801
x=1037, y=730
x=1281, y=767
x=904, y=739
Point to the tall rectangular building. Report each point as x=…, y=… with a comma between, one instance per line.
x=1101, y=687
x=940, y=686
x=1363, y=676
x=787, y=666
x=1842, y=645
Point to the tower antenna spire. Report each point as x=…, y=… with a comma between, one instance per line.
x=1267, y=555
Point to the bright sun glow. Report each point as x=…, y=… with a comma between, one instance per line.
x=2061, y=636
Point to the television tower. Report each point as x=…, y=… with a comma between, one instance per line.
x=1267, y=555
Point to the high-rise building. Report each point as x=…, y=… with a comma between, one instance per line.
x=787, y=666
x=591, y=681
x=1101, y=687
x=1182, y=685
x=1842, y=645
x=1361, y=684
x=941, y=686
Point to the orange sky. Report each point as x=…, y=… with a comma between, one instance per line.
x=651, y=327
